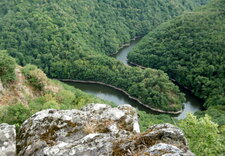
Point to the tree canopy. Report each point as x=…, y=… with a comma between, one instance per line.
x=7, y=68
x=191, y=49
x=69, y=39
x=204, y=136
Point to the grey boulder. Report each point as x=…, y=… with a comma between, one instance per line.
x=97, y=130
x=89, y=131
x=7, y=140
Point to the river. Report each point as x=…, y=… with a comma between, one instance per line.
x=109, y=94
x=192, y=103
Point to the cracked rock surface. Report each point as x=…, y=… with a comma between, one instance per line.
x=96, y=130
x=158, y=140
x=89, y=131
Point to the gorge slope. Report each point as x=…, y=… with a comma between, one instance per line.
x=190, y=49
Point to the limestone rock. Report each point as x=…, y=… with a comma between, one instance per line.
x=162, y=148
x=89, y=131
x=7, y=140
x=162, y=139
x=97, y=130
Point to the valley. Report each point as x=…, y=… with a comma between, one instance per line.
x=191, y=105
x=58, y=57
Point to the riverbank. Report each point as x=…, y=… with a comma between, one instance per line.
x=121, y=90
x=173, y=80
x=125, y=45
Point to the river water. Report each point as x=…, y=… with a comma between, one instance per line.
x=192, y=103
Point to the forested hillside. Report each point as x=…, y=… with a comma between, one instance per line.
x=191, y=49
x=27, y=90
x=55, y=27
x=68, y=39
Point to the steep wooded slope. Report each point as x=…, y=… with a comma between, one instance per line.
x=67, y=38
x=191, y=49
x=26, y=90
x=35, y=28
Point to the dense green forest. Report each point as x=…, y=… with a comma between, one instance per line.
x=191, y=49
x=38, y=30
x=216, y=112
x=16, y=111
x=69, y=39
x=65, y=97
x=204, y=136
x=7, y=67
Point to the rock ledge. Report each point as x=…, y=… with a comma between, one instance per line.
x=95, y=130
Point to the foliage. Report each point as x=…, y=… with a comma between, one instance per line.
x=27, y=69
x=41, y=30
x=70, y=98
x=152, y=87
x=7, y=68
x=69, y=39
x=14, y=114
x=190, y=49
x=216, y=112
x=35, y=76
x=203, y=135
x=51, y=104
x=146, y=119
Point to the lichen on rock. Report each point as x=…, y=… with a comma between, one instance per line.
x=7, y=140
x=97, y=130
x=162, y=139
x=62, y=132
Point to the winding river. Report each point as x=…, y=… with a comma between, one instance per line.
x=192, y=103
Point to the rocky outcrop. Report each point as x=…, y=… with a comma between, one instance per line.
x=7, y=140
x=16, y=92
x=21, y=91
x=162, y=139
x=89, y=131
x=97, y=130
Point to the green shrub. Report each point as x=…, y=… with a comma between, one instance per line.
x=14, y=114
x=27, y=69
x=203, y=136
x=7, y=68
x=35, y=76
x=216, y=112
x=51, y=105
x=146, y=119
x=65, y=97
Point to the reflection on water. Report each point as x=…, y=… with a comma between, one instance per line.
x=122, y=54
x=192, y=103
x=109, y=94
